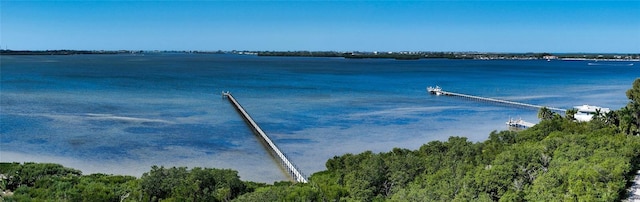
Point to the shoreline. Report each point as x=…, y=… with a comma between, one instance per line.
x=401, y=55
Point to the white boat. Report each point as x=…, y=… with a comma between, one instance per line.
x=434, y=90
x=586, y=112
x=519, y=123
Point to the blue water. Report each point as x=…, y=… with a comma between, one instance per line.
x=122, y=114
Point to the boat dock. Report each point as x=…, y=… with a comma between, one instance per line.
x=438, y=91
x=296, y=175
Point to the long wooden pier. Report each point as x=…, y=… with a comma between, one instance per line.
x=438, y=91
x=286, y=163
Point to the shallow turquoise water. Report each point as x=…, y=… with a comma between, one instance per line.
x=123, y=113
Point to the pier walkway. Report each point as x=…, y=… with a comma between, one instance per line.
x=292, y=169
x=438, y=91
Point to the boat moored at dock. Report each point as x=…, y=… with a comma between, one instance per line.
x=435, y=90
x=519, y=123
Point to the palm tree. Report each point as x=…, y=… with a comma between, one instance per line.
x=545, y=113
x=570, y=114
x=626, y=120
x=597, y=115
x=612, y=118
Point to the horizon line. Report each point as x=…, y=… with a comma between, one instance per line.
x=337, y=51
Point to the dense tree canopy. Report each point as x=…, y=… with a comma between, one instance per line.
x=198, y=184
x=632, y=112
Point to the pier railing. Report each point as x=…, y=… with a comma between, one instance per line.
x=286, y=163
x=438, y=91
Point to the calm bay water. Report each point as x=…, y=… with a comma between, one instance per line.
x=122, y=114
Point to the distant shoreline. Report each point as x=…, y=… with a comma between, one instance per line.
x=60, y=52
x=403, y=55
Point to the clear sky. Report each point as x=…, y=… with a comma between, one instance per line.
x=494, y=26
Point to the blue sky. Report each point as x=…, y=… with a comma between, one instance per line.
x=494, y=26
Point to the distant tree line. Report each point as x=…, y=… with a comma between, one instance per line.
x=440, y=55
x=558, y=159
x=364, y=55
x=404, y=55
x=301, y=53
x=59, y=52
